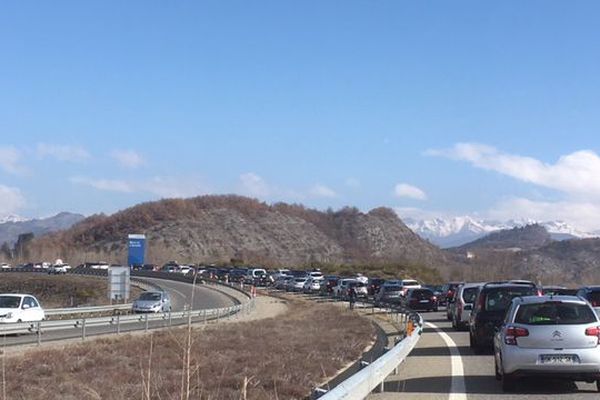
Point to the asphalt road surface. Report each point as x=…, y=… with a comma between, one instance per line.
x=442, y=366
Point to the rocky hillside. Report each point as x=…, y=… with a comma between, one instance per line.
x=565, y=262
x=528, y=237
x=220, y=228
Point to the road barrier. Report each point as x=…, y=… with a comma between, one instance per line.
x=118, y=322
x=372, y=376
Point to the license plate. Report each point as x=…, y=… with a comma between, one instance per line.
x=424, y=301
x=557, y=359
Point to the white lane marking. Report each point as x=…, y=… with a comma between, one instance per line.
x=457, y=385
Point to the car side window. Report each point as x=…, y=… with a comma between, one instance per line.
x=26, y=302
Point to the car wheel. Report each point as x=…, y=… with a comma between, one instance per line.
x=598, y=385
x=471, y=341
x=508, y=383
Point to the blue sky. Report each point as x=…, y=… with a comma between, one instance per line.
x=433, y=108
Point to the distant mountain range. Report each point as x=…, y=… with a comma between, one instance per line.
x=457, y=231
x=12, y=226
x=210, y=229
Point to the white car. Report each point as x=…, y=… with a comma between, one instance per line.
x=312, y=285
x=59, y=269
x=20, y=308
x=4, y=266
x=297, y=284
x=184, y=269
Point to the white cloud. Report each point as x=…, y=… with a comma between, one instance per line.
x=173, y=187
x=12, y=200
x=254, y=185
x=111, y=185
x=62, y=152
x=409, y=191
x=128, y=158
x=576, y=174
x=9, y=160
x=583, y=215
x=158, y=186
x=322, y=191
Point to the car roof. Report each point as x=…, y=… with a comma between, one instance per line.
x=472, y=285
x=544, y=299
x=16, y=294
x=592, y=288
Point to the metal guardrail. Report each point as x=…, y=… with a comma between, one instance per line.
x=361, y=384
x=168, y=319
x=87, y=310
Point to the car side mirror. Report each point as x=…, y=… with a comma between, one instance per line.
x=25, y=306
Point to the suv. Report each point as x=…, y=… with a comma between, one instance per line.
x=389, y=294
x=463, y=305
x=554, y=336
x=421, y=299
x=493, y=299
x=592, y=295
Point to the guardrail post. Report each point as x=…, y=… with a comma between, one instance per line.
x=382, y=387
x=83, y=329
x=118, y=324
x=218, y=309
x=146, y=327
x=39, y=333
x=204, y=316
x=169, y=317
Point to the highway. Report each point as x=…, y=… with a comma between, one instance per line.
x=206, y=297
x=442, y=366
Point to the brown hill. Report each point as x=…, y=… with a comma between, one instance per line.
x=210, y=229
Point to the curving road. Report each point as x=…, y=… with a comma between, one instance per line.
x=442, y=366
x=205, y=297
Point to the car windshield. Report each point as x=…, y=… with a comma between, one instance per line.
x=150, y=296
x=410, y=283
x=499, y=299
x=10, y=301
x=469, y=294
x=555, y=313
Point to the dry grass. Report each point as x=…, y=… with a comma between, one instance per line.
x=57, y=291
x=277, y=358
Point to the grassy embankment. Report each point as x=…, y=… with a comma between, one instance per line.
x=58, y=291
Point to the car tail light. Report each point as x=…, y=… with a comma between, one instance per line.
x=539, y=292
x=514, y=332
x=433, y=298
x=594, y=331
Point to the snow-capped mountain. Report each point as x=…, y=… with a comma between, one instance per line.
x=11, y=218
x=456, y=231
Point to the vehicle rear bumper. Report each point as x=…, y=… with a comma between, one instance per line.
x=522, y=361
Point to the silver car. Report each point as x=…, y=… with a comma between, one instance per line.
x=152, y=302
x=554, y=336
x=463, y=305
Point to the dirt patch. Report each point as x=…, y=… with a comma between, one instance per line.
x=274, y=358
x=58, y=291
